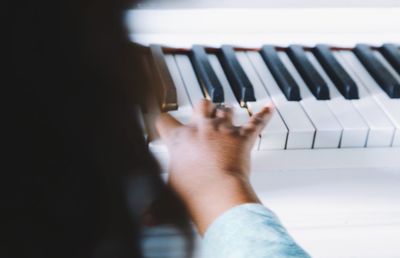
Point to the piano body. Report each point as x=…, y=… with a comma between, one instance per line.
x=329, y=162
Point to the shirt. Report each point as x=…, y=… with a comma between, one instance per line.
x=249, y=230
x=244, y=231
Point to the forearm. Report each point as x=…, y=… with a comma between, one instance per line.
x=223, y=191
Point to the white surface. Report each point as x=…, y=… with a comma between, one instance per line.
x=328, y=130
x=174, y=4
x=274, y=135
x=254, y=27
x=355, y=130
x=301, y=130
x=337, y=212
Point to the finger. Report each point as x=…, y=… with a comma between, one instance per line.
x=225, y=116
x=203, y=110
x=257, y=122
x=165, y=125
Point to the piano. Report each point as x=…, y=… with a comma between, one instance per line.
x=328, y=161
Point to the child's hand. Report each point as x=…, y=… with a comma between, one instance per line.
x=210, y=159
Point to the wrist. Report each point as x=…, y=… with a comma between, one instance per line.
x=208, y=198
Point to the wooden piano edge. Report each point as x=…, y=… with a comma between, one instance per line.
x=174, y=50
x=262, y=161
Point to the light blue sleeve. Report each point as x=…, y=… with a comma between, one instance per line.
x=249, y=230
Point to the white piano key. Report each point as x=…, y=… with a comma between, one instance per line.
x=391, y=107
x=189, y=78
x=381, y=130
x=149, y=118
x=240, y=115
x=274, y=135
x=328, y=130
x=301, y=130
x=184, y=111
x=355, y=130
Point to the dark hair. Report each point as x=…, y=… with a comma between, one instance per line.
x=78, y=172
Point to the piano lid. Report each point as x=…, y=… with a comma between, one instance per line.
x=194, y=4
x=184, y=23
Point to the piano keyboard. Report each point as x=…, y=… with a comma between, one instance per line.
x=327, y=164
x=325, y=97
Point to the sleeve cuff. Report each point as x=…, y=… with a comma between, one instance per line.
x=249, y=230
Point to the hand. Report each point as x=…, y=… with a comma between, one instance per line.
x=210, y=159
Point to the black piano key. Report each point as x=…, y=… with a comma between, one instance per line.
x=282, y=76
x=237, y=78
x=165, y=87
x=380, y=74
x=313, y=79
x=342, y=80
x=392, y=54
x=208, y=80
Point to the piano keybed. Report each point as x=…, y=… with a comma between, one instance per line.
x=325, y=97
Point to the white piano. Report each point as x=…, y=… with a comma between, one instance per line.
x=329, y=166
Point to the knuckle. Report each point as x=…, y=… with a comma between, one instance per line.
x=259, y=121
x=204, y=103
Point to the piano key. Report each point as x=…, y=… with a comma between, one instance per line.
x=283, y=78
x=274, y=136
x=151, y=109
x=335, y=71
x=183, y=113
x=392, y=53
x=189, y=79
x=238, y=80
x=301, y=130
x=387, y=65
x=166, y=92
x=149, y=117
x=207, y=78
x=391, y=107
x=381, y=129
x=328, y=130
x=240, y=115
x=308, y=73
x=185, y=110
x=380, y=74
x=355, y=130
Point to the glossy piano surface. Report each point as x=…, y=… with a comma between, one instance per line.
x=189, y=4
x=249, y=25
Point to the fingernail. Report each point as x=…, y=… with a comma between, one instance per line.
x=266, y=109
x=269, y=107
